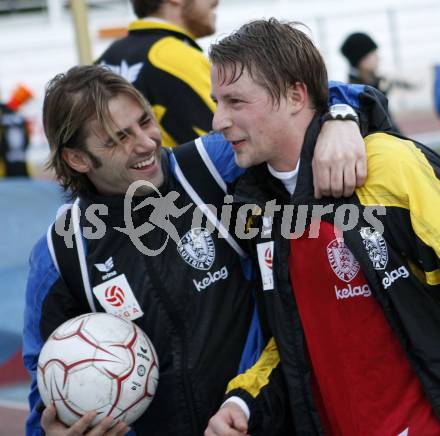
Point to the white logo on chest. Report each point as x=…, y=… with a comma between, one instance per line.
x=197, y=248
x=376, y=247
x=221, y=274
x=106, y=267
x=392, y=276
x=352, y=291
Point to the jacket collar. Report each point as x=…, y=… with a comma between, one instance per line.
x=304, y=186
x=164, y=26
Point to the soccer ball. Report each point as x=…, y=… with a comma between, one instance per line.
x=100, y=362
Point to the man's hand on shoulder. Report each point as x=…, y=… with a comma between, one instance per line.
x=230, y=420
x=339, y=163
x=53, y=427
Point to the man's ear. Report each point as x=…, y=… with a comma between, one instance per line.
x=297, y=96
x=76, y=159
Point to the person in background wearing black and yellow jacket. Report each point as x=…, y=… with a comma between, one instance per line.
x=350, y=288
x=161, y=58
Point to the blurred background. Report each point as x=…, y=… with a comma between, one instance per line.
x=38, y=40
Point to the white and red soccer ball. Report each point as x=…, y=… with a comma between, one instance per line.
x=100, y=362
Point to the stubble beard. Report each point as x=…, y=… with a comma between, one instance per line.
x=192, y=21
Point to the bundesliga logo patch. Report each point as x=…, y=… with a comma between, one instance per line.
x=117, y=298
x=265, y=252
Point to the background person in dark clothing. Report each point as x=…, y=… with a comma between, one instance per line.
x=14, y=135
x=361, y=51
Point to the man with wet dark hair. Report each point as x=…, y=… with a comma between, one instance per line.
x=352, y=302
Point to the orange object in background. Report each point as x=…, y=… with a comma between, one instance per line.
x=112, y=32
x=20, y=95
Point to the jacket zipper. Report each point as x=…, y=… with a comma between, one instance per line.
x=180, y=329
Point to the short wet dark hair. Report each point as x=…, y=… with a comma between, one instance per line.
x=276, y=55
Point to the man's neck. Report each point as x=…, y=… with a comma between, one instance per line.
x=287, y=178
x=171, y=14
x=157, y=19
x=290, y=151
x=365, y=75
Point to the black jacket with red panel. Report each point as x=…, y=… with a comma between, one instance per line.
x=403, y=273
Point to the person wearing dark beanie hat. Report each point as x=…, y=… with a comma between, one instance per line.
x=362, y=54
x=361, y=51
x=357, y=46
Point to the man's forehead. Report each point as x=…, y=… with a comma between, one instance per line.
x=124, y=101
x=96, y=128
x=120, y=112
x=234, y=81
x=125, y=109
x=228, y=73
